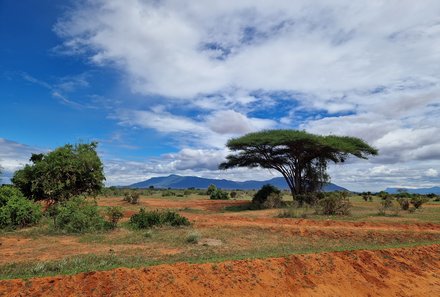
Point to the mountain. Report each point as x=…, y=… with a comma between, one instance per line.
x=184, y=182
x=435, y=190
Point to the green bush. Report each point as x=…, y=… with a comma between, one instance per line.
x=114, y=214
x=77, y=216
x=16, y=210
x=273, y=201
x=233, y=194
x=268, y=196
x=334, y=204
x=132, y=197
x=418, y=201
x=168, y=193
x=147, y=219
x=404, y=203
x=386, y=204
x=211, y=189
x=218, y=194
x=193, y=237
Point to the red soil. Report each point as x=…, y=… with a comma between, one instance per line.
x=392, y=272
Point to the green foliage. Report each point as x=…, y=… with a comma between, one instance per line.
x=387, y=204
x=77, y=215
x=193, y=237
x=68, y=171
x=211, y=189
x=233, y=194
x=16, y=210
x=168, y=193
x=132, y=197
x=268, y=196
x=218, y=194
x=336, y=203
x=299, y=156
x=114, y=214
x=147, y=219
x=404, y=203
x=418, y=201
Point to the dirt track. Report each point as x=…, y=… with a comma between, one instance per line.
x=393, y=272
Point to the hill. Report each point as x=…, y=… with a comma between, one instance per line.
x=184, y=182
x=435, y=190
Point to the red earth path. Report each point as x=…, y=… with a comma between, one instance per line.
x=391, y=272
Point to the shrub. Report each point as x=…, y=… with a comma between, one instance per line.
x=263, y=194
x=219, y=195
x=16, y=210
x=309, y=198
x=211, y=189
x=132, y=197
x=334, y=204
x=114, y=214
x=273, y=201
x=193, y=237
x=418, y=201
x=77, y=216
x=168, y=193
x=147, y=219
x=233, y=194
x=404, y=203
x=385, y=204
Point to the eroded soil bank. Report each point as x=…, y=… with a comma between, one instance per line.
x=391, y=272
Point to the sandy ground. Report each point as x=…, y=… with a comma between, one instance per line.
x=392, y=272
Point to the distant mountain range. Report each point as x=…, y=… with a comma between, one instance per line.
x=435, y=190
x=184, y=182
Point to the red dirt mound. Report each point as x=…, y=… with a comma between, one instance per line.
x=392, y=272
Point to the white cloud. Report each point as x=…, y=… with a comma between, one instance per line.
x=365, y=69
x=431, y=172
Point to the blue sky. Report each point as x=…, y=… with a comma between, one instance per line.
x=162, y=85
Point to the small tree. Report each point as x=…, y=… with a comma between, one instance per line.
x=67, y=171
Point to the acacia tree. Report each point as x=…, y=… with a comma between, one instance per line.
x=67, y=171
x=301, y=157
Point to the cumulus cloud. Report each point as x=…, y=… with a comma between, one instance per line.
x=368, y=70
x=14, y=155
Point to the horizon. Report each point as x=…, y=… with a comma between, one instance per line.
x=161, y=86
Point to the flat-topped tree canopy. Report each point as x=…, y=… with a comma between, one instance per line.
x=299, y=156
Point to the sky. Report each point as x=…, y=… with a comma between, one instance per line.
x=162, y=85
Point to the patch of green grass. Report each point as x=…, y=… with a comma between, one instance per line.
x=92, y=262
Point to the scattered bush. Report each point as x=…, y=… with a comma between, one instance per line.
x=334, y=204
x=147, y=219
x=309, y=198
x=132, y=197
x=218, y=194
x=273, y=201
x=262, y=196
x=77, y=216
x=404, y=203
x=168, y=193
x=233, y=194
x=418, y=201
x=211, y=189
x=16, y=210
x=387, y=204
x=114, y=214
x=193, y=237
